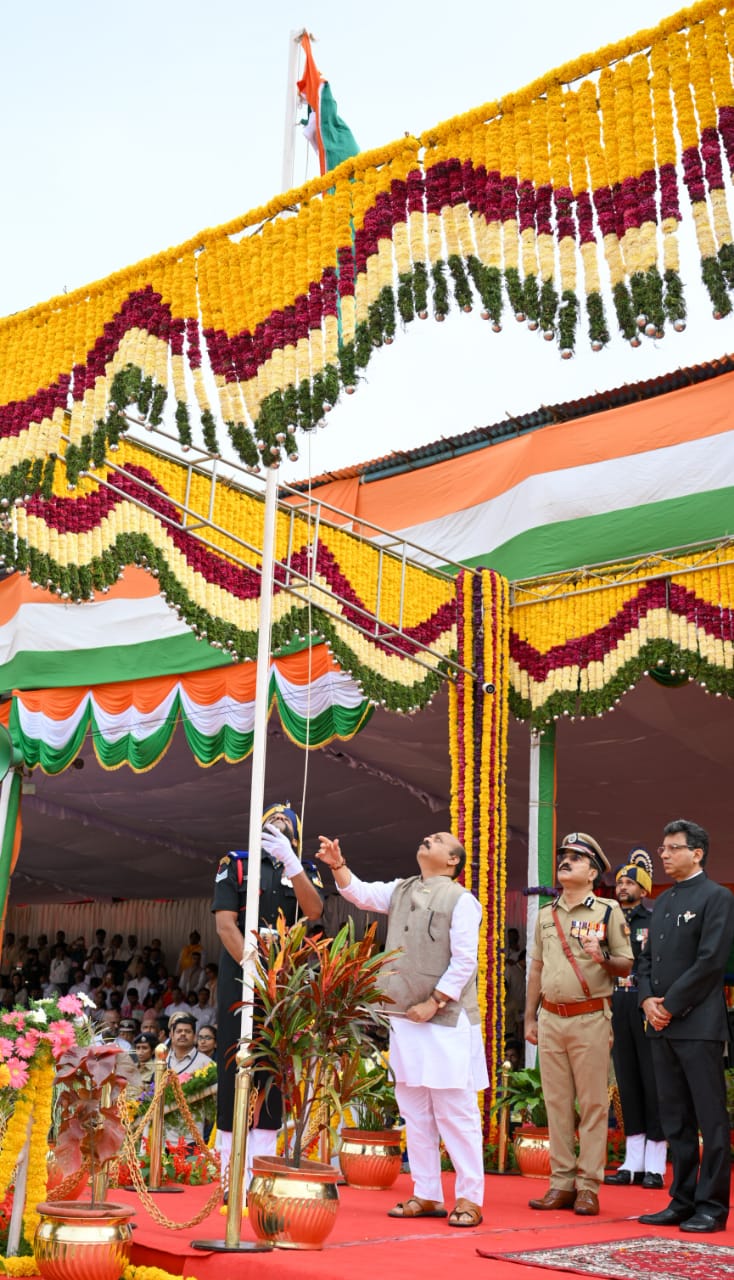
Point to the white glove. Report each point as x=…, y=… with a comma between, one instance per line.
x=279, y=847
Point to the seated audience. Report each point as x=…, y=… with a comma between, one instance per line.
x=204, y=1012
x=206, y=1040
x=94, y=965
x=183, y=1056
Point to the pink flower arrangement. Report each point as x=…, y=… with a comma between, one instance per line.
x=18, y=1073
x=25, y=1045
x=61, y=1036
x=70, y=1004
x=48, y=1027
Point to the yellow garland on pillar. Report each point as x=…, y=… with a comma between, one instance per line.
x=454, y=756
x=43, y=1079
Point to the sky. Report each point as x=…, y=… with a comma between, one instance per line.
x=128, y=129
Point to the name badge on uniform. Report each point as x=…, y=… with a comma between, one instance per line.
x=589, y=929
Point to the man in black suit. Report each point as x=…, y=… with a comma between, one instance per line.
x=681, y=974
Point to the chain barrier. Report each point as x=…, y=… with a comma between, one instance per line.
x=70, y=1183
x=130, y=1156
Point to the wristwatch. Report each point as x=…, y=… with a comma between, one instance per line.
x=440, y=1001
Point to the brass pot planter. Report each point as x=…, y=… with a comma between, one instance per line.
x=370, y=1158
x=81, y=1241
x=292, y=1208
x=532, y=1151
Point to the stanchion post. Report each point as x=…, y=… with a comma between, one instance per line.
x=238, y=1156
x=325, y=1132
x=100, y=1178
x=155, y=1136
x=504, y=1121
x=237, y=1165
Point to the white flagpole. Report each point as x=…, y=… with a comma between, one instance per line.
x=291, y=105
x=265, y=615
x=238, y=1156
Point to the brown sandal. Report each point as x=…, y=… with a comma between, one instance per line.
x=465, y=1214
x=417, y=1208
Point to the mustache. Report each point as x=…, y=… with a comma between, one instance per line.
x=564, y=866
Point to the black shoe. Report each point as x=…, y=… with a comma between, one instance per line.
x=670, y=1217
x=652, y=1181
x=623, y=1178
x=703, y=1224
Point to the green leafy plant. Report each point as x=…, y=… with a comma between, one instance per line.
x=524, y=1096
x=90, y=1079
x=317, y=1007
x=375, y=1108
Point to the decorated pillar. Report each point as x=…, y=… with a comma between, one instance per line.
x=478, y=724
x=541, y=827
x=10, y=789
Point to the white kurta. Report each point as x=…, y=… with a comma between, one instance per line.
x=422, y=1053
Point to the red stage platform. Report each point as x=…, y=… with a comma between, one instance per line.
x=365, y=1242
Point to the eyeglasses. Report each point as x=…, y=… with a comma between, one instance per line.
x=571, y=855
x=670, y=848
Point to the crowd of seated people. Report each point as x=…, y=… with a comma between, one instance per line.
x=135, y=995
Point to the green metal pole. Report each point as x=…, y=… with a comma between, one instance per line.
x=10, y=788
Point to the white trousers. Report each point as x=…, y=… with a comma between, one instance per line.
x=260, y=1142
x=450, y=1114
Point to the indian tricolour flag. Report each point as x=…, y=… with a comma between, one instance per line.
x=324, y=128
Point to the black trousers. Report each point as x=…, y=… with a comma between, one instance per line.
x=692, y=1096
x=633, y=1068
x=229, y=993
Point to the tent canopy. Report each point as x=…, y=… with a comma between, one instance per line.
x=89, y=833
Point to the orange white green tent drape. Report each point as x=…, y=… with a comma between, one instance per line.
x=133, y=722
x=561, y=204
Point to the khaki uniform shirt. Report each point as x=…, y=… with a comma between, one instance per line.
x=601, y=917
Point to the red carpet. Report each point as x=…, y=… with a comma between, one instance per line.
x=366, y=1243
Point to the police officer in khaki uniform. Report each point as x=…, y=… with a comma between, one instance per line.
x=581, y=946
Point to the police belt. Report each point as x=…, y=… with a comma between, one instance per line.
x=575, y=1007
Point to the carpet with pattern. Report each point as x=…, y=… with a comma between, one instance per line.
x=650, y=1256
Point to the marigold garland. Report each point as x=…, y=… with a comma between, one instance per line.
x=287, y=315
x=478, y=724
x=79, y=545
x=578, y=655
x=20, y=1266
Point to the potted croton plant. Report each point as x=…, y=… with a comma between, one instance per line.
x=317, y=1009
x=89, y=1131
x=523, y=1096
x=370, y=1155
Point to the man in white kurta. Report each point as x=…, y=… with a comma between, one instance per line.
x=436, y=1048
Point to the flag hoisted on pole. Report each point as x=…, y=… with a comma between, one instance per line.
x=324, y=128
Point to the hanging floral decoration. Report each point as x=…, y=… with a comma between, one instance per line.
x=479, y=718
x=31, y=1041
x=576, y=651
x=79, y=544
x=562, y=192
